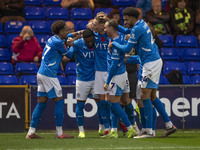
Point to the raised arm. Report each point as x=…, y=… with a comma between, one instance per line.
x=124, y=48
x=124, y=30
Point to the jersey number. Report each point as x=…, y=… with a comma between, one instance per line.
x=46, y=49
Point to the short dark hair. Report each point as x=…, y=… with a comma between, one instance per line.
x=57, y=26
x=131, y=11
x=101, y=19
x=88, y=33
x=113, y=23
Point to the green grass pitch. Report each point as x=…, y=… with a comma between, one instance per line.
x=181, y=140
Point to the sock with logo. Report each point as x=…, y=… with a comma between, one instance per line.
x=37, y=113
x=99, y=109
x=130, y=112
x=104, y=114
x=142, y=117
x=154, y=119
x=80, y=113
x=113, y=119
x=148, y=113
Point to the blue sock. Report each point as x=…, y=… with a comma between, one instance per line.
x=108, y=105
x=130, y=112
x=161, y=110
x=142, y=117
x=148, y=113
x=154, y=118
x=114, y=119
x=80, y=113
x=37, y=113
x=99, y=109
x=59, y=113
x=117, y=109
x=104, y=114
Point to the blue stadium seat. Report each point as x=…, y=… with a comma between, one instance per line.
x=195, y=79
x=173, y=65
x=3, y=41
x=32, y=13
x=13, y=27
x=8, y=80
x=190, y=54
x=28, y=79
x=40, y=27
x=10, y=38
x=194, y=68
x=186, y=41
x=81, y=13
x=169, y=54
x=26, y=68
x=163, y=80
x=5, y=55
x=71, y=79
x=1, y=28
x=124, y=2
x=32, y=2
x=106, y=10
x=60, y=71
x=70, y=68
x=186, y=79
x=51, y=2
x=42, y=39
x=62, y=79
x=80, y=24
x=167, y=40
x=6, y=68
x=57, y=14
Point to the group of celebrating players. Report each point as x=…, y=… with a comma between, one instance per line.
x=101, y=71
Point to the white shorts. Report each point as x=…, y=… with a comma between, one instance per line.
x=119, y=85
x=83, y=89
x=139, y=90
x=48, y=87
x=100, y=80
x=151, y=74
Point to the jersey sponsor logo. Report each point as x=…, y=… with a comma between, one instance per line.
x=101, y=46
x=88, y=54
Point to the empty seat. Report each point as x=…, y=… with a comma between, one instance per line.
x=5, y=55
x=28, y=79
x=3, y=41
x=173, y=65
x=14, y=27
x=195, y=79
x=167, y=40
x=40, y=27
x=26, y=68
x=163, y=80
x=1, y=28
x=51, y=2
x=169, y=54
x=60, y=71
x=42, y=39
x=8, y=80
x=32, y=13
x=10, y=38
x=190, y=54
x=81, y=13
x=57, y=13
x=32, y=2
x=70, y=68
x=80, y=24
x=186, y=79
x=6, y=68
x=71, y=79
x=194, y=68
x=106, y=10
x=124, y=2
x=186, y=41
x=62, y=80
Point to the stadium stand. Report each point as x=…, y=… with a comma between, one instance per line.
x=169, y=54
x=186, y=41
x=5, y=55
x=167, y=40
x=71, y=79
x=26, y=68
x=8, y=80
x=28, y=79
x=6, y=68
x=62, y=79
x=70, y=68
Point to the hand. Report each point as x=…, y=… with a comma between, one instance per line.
x=69, y=42
x=36, y=59
x=26, y=36
x=110, y=46
x=127, y=37
x=106, y=87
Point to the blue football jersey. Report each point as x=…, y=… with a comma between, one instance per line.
x=85, y=61
x=143, y=41
x=52, y=56
x=101, y=45
x=116, y=54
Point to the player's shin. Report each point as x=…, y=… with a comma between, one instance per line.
x=80, y=115
x=59, y=114
x=148, y=115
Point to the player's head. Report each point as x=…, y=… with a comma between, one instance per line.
x=130, y=16
x=110, y=27
x=88, y=37
x=98, y=23
x=59, y=28
x=70, y=26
